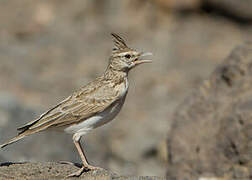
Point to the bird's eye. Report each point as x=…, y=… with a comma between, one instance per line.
x=127, y=56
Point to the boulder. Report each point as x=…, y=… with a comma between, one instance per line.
x=56, y=171
x=211, y=133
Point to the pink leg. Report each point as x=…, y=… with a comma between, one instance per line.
x=86, y=165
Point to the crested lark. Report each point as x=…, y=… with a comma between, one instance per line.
x=93, y=105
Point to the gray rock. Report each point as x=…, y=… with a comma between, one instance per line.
x=54, y=171
x=212, y=129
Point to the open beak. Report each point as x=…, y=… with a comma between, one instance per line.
x=140, y=61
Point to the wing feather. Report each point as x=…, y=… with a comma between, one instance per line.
x=76, y=108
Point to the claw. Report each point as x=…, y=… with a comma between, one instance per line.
x=77, y=173
x=83, y=169
x=89, y=167
x=71, y=163
x=66, y=162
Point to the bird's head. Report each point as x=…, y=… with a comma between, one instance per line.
x=124, y=58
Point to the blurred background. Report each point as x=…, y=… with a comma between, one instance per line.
x=49, y=48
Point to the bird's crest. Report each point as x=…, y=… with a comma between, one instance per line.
x=118, y=42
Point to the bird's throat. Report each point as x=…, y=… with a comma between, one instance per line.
x=115, y=75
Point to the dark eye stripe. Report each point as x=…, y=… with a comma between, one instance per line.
x=127, y=56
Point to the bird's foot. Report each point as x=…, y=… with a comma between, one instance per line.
x=66, y=162
x=77, y=173
x=89, y=167
x=83, y=169
x=71, y=163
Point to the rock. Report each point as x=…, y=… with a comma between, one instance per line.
x=211, y=134
x=52, y=170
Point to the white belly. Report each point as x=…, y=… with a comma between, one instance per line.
x=95, y=121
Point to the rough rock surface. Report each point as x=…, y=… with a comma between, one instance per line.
x=55, y=171
x=211, y=133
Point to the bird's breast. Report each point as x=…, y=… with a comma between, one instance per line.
x=122, y=88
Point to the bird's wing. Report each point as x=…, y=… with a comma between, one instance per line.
x=79, y=106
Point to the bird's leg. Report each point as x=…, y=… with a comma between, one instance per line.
x=85, y=165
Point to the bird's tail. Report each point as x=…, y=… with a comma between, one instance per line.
x=24, y=131
x=18, y=137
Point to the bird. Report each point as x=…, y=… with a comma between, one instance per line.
x=91, y=106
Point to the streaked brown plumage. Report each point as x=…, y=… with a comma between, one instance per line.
x=91, y=106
